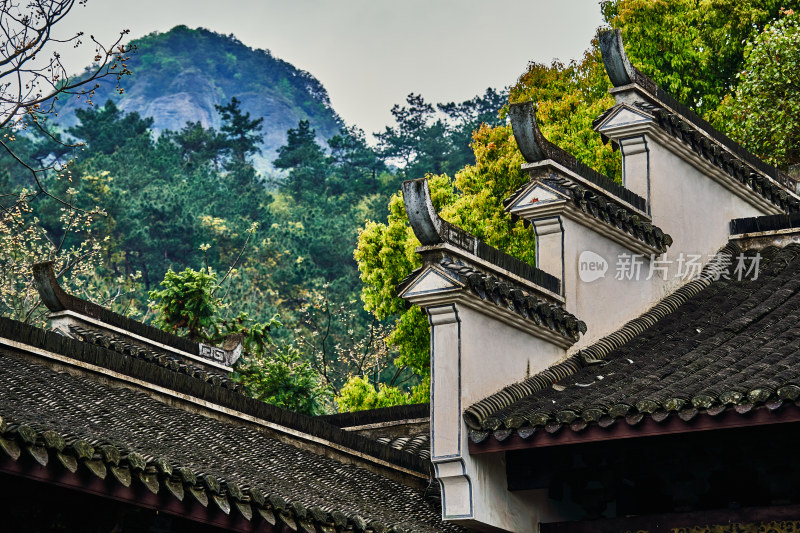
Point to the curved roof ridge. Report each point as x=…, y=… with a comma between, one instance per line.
x=480, y=416
x=535, y=148
x=621, y=72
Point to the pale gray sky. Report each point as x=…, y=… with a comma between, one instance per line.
x=369, y=54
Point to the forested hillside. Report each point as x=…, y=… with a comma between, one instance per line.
x=734, y=62
x=177, y=227
x=179, y=76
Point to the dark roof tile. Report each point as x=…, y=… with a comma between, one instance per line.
x=710, y=344
x=85, y=424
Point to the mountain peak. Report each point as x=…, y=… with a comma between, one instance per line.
x=180, y=75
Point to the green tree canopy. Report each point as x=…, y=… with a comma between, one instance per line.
x=764, y=112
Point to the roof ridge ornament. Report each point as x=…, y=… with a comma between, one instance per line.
x=432, y=230
x=618, y=67
x=425, y=221
x=535, y=148
x=66, y=309
x=530, y=140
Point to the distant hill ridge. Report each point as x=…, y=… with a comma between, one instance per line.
x=180, y=75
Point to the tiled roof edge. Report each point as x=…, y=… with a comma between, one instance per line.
x=46, y=446
x=621, y=72
x=509, y=296
x=376, y=416
x=605, y=209
x=197, y=388
x=56, y=299
x=774, y=190
x=479, y=415
x=764, y=223
x=535, y=148
x=432, y=230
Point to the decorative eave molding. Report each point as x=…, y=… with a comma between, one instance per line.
x=472, y=259
x=536, y=149
x=432, y=230
x=579, y=180
x=439, y=284
x=627, y=78
x=56, y=299
x=757, y=233
x=567, y=209
x=92, y=323
x=648, y=125
x=466, y=298
x=595, y=221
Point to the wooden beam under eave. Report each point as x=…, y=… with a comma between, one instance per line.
x=730, y=419
x=669, y=522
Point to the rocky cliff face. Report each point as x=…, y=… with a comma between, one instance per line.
x=179, y=76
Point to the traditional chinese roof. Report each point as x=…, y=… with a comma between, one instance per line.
x=508, y=295
x=56, y=300
x=101, y=325
x=161, y=358
x=418, y=443
x=765, y=223
x=402, y=427
x=536, y=148
x=683, y=124
x=604, y=208
x=249, y=459
x=432, y=230
x=381, y=416
x=714, y=345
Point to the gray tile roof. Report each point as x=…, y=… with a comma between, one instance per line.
x=510, y=296
x=140, y=351
x=418, y=443
x=604, y=208
x=535, y=148
x=682, y=122
x=65, y=420
x=713, y=345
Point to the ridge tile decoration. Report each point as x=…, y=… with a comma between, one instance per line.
x=68, y=311
x=765, y=223
x=602, y=208
x=417, y=444
x=536, y=148
x=56, y=300
x=607, y=202
x=432, y=230
x=512, y=297
x=683, y=124
x=163, y=359
x=488, y=286
x=71, y=423
x=714, y=345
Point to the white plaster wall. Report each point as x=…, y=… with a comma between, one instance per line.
x=495, y=354
x=474, y=354
x=606, y=303
x=689, y=205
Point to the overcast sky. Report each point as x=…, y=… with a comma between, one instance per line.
x=369, y=54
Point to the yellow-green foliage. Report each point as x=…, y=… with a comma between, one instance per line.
x=692, y=48
x=764, y=112
x=568, y=99
x=358, y=394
